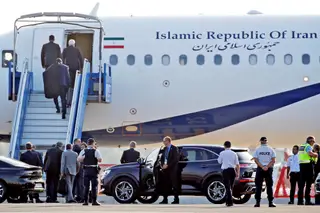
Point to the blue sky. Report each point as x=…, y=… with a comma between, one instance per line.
x=157, y=7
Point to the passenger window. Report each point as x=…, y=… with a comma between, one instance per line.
x=183, y=60
x=166, y=60
x=306, y=59
x=235, y=59
x=194, y=154
x=200, y=59
x=7, y=56
x=148, y=60
x=288, y=59
x=253, y=59
x=113, y=60
x=270, y=59
x=131, y=60
x=217, y=59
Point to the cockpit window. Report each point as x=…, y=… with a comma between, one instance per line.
x=7, y=56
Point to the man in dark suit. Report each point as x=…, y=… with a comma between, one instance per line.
x=72, y=57
x=36, y=195
x=63, y=80
x=130, y=155
x=78, y=185
x=52, y=164
x=50, y=52
x=170, y=168
x=31, y=157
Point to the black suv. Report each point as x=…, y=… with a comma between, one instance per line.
x=201, y=176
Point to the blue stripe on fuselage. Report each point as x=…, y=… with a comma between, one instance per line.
x=209, y=120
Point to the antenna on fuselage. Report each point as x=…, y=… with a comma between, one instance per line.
x=94, y=11
x=254, y=12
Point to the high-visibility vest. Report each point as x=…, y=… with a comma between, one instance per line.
x=304, y=157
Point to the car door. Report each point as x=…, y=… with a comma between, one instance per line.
x=196, y=164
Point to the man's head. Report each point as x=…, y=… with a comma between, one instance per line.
x=28, y=146
x=295, y=149
x=59, y=145
x=311, y=140
x=68, y=146
x=59, y=61
x=83, y=145
x=77, y=141
x=91, y=142
x=263, y=140
x=316, y=148
x=132, y=144
x=51, y=38
x=167, y=141
x=227, y=145
x=72, y=42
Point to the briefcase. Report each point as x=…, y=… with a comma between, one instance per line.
x=62, y=186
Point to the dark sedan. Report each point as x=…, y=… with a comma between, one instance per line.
x=201, y=176
x=17, y=179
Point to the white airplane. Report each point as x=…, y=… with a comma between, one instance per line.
x=235, y=77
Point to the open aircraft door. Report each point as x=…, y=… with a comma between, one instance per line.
x=40, y=37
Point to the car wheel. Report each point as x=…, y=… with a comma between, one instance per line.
x=215, y=191
x=3, y=192
x=124, y=190
x=242, y=199
x=148, y=199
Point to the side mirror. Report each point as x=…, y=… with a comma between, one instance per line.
x=141, y=161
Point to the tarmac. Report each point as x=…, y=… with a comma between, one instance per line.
x=188, y=204
x=154, y=208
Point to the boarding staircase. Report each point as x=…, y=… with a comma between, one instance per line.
x=35, y=118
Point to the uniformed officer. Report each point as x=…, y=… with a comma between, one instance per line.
x=265, y=157
x=90, y=158
x=293, y=172
x=306, y=170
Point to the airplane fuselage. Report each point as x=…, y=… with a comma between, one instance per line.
x=237, y=78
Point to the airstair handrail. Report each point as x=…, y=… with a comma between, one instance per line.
x=73, y=108
x=16, y=122
x=82, y=99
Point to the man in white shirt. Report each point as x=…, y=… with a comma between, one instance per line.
x=230, y=170
x=293, y=172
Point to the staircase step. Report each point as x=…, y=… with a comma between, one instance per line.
x=48, y=129
x=44, y=135
x=39, y=97
x=44, y=110
x=43, y=104
x=52, y=123
x=51, y=116
x=42, y=141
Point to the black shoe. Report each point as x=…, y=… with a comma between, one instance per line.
x=85, y=204
x=290, y=202
x=164, y=202
x=229, y=204
x=63, y=116
x=71, y=201
x=300, y=203
x=309, y=204
x=95, y=203
x=257, y=204
x=175, y=201
x=39, y=201
x=271, y=204
x=58, y=111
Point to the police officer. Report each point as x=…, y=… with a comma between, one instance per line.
x=90, y=158
x=265, y=157
x=306, y=170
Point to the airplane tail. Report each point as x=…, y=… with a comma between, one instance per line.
x=94, y=11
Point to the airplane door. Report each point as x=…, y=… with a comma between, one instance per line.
x=40, y=37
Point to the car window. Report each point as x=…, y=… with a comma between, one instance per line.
x=195, y=154
x=152, y=157
x=243, y=155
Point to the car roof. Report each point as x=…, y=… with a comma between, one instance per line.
x=211, y=146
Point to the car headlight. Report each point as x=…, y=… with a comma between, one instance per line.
x=106, y=172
